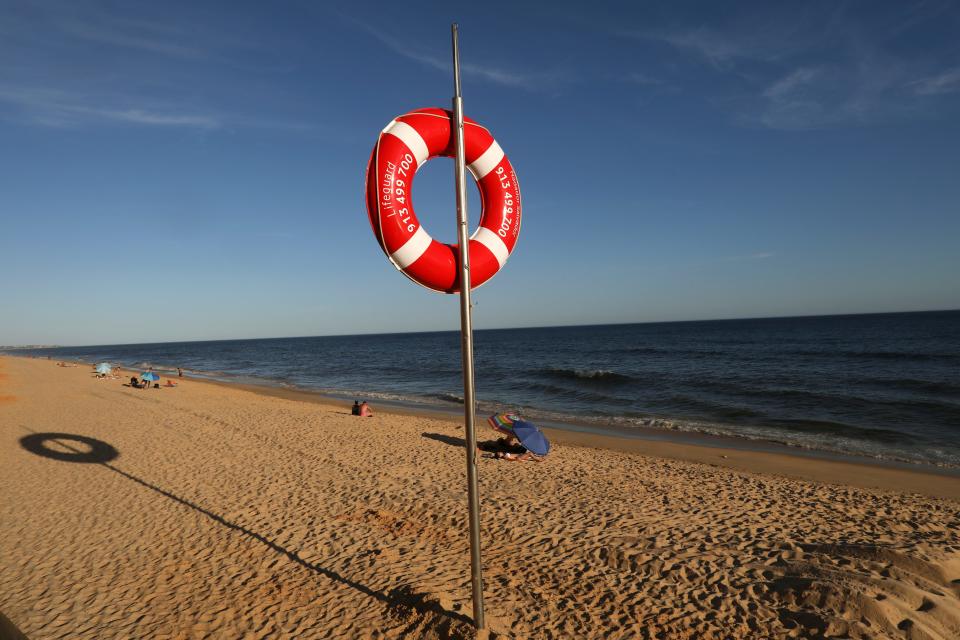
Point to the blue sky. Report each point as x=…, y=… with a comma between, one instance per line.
x=194, y=170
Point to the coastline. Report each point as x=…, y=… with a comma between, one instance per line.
x=740, y=454
x=888, y=403
x=729, y=453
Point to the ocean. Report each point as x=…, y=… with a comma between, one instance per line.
x=885, y=386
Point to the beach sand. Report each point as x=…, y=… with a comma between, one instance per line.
x=213, y=511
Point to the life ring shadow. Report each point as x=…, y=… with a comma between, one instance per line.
x=99, y=451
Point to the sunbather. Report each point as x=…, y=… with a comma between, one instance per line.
x=508, y=448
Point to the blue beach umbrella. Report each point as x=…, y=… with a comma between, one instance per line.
x=104, y=368
x=150, y=375
x=531, y=437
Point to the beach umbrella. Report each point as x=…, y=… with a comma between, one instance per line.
x=531, y=437
x=526, y=432
x=503, y=422
x=104, y=368
x=150, y=375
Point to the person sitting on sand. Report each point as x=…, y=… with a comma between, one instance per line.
x=365, y=410
x=355, y=409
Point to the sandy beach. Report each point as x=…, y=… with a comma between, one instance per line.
x=215, y=511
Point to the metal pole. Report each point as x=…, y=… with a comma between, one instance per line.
x=466, y=338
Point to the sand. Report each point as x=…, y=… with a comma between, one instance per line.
x=210, y=511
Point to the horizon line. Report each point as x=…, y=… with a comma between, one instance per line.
x=557, y=326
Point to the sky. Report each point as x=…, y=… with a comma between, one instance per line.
x=195, y=170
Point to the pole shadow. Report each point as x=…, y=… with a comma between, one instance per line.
x=102, y=453
x=487, y=446
x=453, y=441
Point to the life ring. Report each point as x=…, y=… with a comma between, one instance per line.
x=402, y=148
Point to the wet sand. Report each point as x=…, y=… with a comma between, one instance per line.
x=215, y=511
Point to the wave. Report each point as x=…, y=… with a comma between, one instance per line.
x=593, y=375
x=912, y=384
x=843, y=429
x=816, y=436
x=769, y=353
x=670, y=351
x=579, y=394
x=876, y=355
x=446, y=397
x=714, y=409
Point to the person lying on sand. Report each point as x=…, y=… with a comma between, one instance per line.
x=507, y=448
x=526, y=456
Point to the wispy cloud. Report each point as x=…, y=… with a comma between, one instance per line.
x=863, y=87
x=510, y=78
x=717, y=49
x=790, y=84
x=800, y=69
x=148, y=37
x=764, y=37
x=139, y=116
x=64, y=109
x=52, y=107
x=945, y=82
x=643, y=79
x=792, y=102
x=760, y=255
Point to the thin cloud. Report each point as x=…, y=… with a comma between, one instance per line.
x=62, y=109
x=136, y=38
x=760, y=255
x=794, y=102
x=50, y=107
x=789, y=84
x=718, y=50
x=643, y=79
x=762, y=38
x=491, y=74
x=799, y=69
x=139, y=116
x=946, y=82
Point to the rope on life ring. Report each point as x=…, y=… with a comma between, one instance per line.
x=402, y=148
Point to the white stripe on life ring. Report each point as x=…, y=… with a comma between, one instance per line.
x=412, y=249
x=487, y=161
x=410, y=137
x=493, y=242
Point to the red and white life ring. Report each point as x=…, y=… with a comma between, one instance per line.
x=402, y=148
